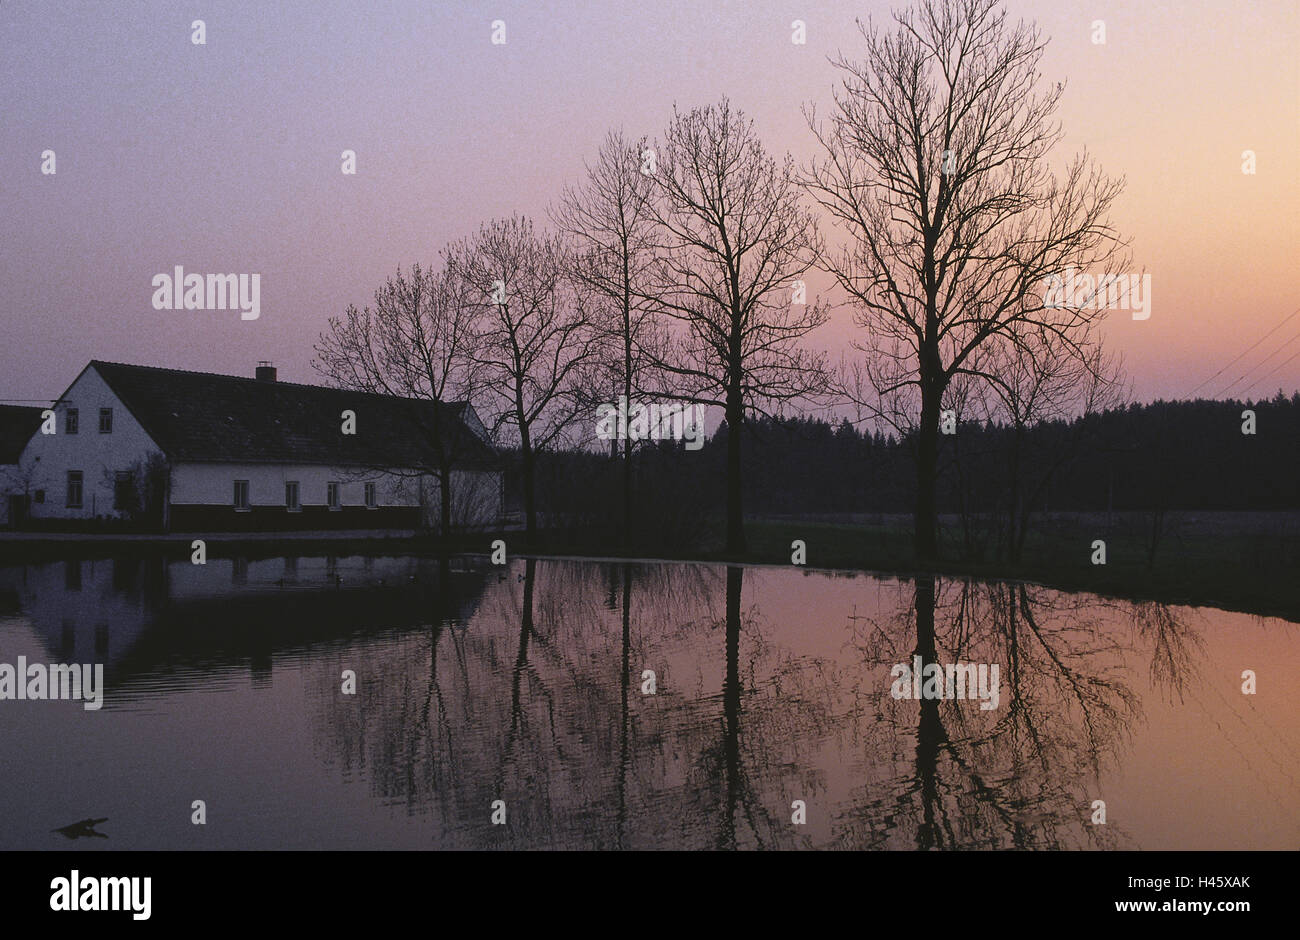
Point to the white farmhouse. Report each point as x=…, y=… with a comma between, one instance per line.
x=194, y=451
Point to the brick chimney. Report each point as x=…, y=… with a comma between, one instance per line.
x=265, y=372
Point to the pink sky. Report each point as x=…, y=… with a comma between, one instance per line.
x=225, y=157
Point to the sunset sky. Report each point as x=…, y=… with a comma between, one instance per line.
x=226, y=157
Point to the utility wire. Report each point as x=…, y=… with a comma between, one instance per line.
x=1248, y=349
x=1258, y=364
x=1270, y=372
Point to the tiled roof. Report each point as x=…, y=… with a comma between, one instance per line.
x=17, y=425
x=202, y=416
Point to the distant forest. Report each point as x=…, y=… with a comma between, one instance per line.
x=1187, y=455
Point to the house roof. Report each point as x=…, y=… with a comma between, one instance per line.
x=17, y=425
x=200, y=416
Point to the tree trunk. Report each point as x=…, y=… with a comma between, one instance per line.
x=526, y=466
x=627, y=392
x=627, y=446
x=627, y=494
x=444, y=487
x=735, y=507
x=530, y=500
x=926, y=521
x=1014, y=538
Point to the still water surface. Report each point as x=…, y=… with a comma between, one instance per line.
x=525, y=684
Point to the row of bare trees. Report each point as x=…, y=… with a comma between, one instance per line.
x=669, y=272
x=675, y=268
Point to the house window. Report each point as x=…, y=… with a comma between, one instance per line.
x=70, y=421
x=371, y=503
x=123, y=490
x=241, y=494
x=74, y=489
x=40, y=496
x=332, y=495
x=105, y=420
x=291, y=496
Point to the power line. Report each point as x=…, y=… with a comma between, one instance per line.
x=1248, y=349
x=1258, y=364
x=1270, y=372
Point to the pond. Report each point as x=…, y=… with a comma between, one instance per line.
x=406, y=702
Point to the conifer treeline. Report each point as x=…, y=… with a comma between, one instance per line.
x=1166, y=455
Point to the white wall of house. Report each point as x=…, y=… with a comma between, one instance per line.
x=213, y=484
x=47, y=458
x=476, y=495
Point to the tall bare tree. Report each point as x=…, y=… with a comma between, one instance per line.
x=610, y=222
x=736, y=241
x=417, y=342
x=935, y=164
x=534, y=334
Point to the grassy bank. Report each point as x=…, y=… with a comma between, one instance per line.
x=34, y=549
x=1250, y=573
x=1254, y=571
x=1211, y=563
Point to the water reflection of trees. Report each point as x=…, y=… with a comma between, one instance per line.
x=536, y=701
x=1025, y=774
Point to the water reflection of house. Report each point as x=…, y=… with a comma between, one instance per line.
x=142, y=616
x=196, y=451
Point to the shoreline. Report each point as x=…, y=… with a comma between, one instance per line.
x=1177, y=579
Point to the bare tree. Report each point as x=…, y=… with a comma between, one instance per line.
x=935, y=164
x=417, y=342
x=534, y=337
x=610, y=222
x=736, y=240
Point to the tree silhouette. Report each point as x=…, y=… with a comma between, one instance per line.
x=534, y=335
x=418, y=341
x=610, y=221
x=735, y=238
x=935, y=165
